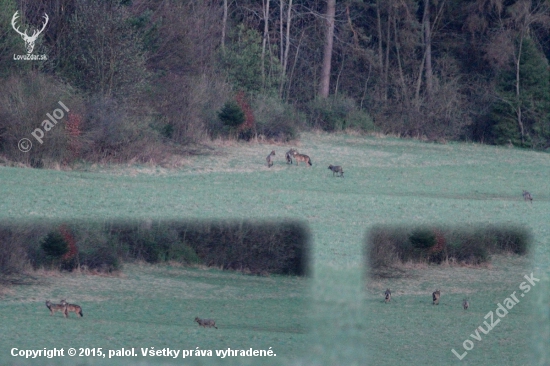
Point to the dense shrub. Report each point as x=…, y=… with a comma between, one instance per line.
x=390, y=246
x=152, y=243
x=276, y=120
x=232, y=116
x=512, y=239
x=422, y=238
x=13, y=252
x=110, y=132
x=359, y=120
x=102, y=259
x=54, y=245
x=245, y=246
x=256, y=247
x=97, y=250
x=24, y=103
x=336, y=114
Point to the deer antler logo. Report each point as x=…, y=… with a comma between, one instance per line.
x=29, y=40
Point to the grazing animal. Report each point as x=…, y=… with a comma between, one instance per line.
x=435, y=296
x=387, y=296
x=527, y=196
x=72, y=307
x=465, y=304
x=268, y=159
x=289, y=154
x=57, y=307
x=336, y=169
x=206, y=322
x=301, y=157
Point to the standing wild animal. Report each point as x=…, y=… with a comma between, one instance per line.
x=268, y=159
x=206, y=322
x=301, y=157
x=465, y=304
x=289, y=154
x=387, y=296
x=435, y=296
x=527, y=196
x=72, y=307
x=336, y=169
x=57, y=307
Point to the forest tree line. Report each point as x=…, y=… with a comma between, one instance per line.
x=142, y=77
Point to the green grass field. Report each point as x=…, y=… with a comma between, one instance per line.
x=338, y=317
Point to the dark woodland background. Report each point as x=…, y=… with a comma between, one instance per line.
x=144, y=79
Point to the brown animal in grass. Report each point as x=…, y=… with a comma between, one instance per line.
x=435, y=296
x=57, y=307
x=301, y=157
x=72, y=307
x=269, y=160
x=206, y=322
x=289, y=154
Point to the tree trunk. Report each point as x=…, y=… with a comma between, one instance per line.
x=388, y=42
x=428, y=45
x=281, y=46
x=266, y=34
x=381, y=50
x=324, y=86
x=224, y=24
x=287, y=48
x=406, y=99
x=518, y=100
x=289, y=83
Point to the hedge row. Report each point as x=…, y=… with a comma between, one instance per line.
x=390, y=246
x=255, y=247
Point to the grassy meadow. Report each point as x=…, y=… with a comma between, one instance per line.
x=336, y=317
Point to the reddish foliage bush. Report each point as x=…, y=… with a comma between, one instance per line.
x=249, y=121
x=73, y=128
x=440, y=243
x=71, y=243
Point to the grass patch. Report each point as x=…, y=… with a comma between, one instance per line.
x=155, y=306
x=388, y=182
